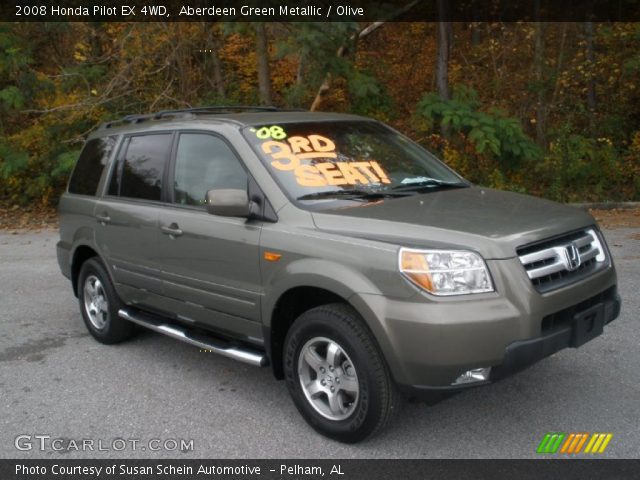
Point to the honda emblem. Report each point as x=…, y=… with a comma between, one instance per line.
x=571, y=257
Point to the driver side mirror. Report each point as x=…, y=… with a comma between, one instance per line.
x=231, y=202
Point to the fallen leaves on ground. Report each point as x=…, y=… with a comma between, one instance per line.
x=618, y=217
x=17, y=219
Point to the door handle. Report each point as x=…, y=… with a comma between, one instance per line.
x=172, y=230
x=103, y=218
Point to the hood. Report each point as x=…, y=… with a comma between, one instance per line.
x=491, y=222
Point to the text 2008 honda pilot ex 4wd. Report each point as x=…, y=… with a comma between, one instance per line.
x=331, y=248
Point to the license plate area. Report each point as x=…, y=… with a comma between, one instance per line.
x=587, y=325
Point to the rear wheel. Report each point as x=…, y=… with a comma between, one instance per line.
x=99, y=304
x=336, y=375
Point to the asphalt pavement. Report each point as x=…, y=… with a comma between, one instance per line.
x=57, y=382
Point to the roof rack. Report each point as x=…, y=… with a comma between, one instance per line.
x=215, y=109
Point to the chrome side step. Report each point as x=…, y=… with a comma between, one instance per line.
x=243, y=354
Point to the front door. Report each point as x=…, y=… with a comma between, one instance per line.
x=210, y=264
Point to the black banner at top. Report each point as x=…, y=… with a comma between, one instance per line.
x=318, y=10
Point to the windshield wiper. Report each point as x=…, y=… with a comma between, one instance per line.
x=350, y=193
x=429, y=183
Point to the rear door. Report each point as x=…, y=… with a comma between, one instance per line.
x=127, y=233
x=210, y=264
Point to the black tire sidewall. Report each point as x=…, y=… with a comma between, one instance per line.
x=364, y=420
x=115, y=330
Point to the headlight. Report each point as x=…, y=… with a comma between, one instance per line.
x=446, y=272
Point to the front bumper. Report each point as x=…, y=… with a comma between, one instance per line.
x=579, y=326
x=428, y=343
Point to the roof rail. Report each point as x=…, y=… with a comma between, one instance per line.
x=137, y=118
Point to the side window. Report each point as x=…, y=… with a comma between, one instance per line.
x=94, y=157
x=204, y=162
x=142, y=168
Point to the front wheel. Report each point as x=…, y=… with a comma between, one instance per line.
x=336, y=375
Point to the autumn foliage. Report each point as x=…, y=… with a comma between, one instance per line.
x=550, y=109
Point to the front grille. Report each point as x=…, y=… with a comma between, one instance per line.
x=562, y=260
x=564, y=317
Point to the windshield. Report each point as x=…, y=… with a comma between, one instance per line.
x=317, y=162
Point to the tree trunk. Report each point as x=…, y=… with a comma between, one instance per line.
x=476, y=33
x=300, y=70
x=213, y=44
x=591, y=84
x=264, y=73
x=326, y=85
x=541, y=114
x=217, y=74
x=442, y=67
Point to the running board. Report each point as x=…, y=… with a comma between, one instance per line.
x=243, y=354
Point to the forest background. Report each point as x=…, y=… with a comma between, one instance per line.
x=550, y=109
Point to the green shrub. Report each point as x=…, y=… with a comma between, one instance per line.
x=491, y=133
x=578, y=168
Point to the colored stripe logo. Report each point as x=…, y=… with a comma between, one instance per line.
x=574, y=443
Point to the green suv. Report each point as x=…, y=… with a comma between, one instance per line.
x=330, y=248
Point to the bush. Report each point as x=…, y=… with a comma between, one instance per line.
x=488, y=148
x=578, y=168
x=491, y=133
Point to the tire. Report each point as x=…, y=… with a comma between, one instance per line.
x=364, y=396
x=99, y=304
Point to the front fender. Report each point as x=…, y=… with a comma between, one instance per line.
x=314, y=272
x=355, y=288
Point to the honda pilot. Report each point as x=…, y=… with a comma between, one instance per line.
x=329, y=248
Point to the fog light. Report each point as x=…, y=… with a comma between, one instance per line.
x=475, y=375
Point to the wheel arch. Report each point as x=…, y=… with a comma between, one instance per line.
x=301, y=287
x=290, y=305
x=82, y=253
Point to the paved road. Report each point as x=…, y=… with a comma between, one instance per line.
x=56, y=380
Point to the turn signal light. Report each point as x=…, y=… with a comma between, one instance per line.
x=414, y=266
x=272, y=256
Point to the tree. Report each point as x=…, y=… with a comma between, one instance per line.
x=212, y=47
x=444, y=35
x=591, y=83
x=541, y=112
x=58, y=80
x=343, y=49
x=264, y=71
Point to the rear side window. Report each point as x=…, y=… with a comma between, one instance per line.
x=94, y=157
x=142, y=168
